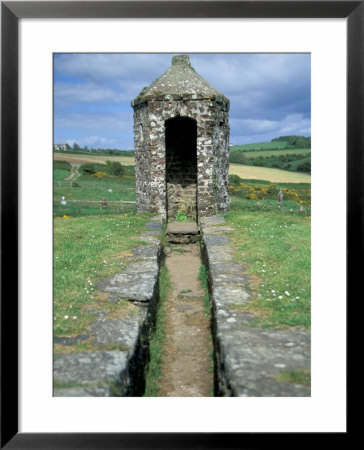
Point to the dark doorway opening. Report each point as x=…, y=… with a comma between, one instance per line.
x=181, y=167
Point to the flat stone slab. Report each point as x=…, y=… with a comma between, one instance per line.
x=147, y=251
x=253, y=357
x=218, y=230
x=89, y=367
x=136, y=283
x=98, y=391
x=212, y=220
x=248, y=359
x=65, y=340
x=182, y=228
x=216, y=240
x=154, y=225
x=121, y=332
x=96, y=373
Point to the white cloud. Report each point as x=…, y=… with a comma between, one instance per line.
x=269, y=93
x=105, y=121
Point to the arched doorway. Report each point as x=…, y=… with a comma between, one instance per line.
x=181, y=166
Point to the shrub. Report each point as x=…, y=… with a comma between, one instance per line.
x=62, y=165
x=181, y=217
x=100, y=174
x=88, y=169
x=114, y=168
x=237, y=157
x=305, y=167
x=235, y=179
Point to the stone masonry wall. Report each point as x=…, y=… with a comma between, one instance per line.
x=212, y=151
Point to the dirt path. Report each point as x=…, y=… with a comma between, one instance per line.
x=74, y=173
x=187, y=368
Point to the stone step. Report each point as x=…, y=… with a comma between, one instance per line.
x=182, y=232
x=182, y=228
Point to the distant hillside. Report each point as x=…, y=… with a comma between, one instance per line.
x=66, y=149
x=294, y=141
x=291, y=153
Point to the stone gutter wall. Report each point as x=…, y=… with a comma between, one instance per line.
x=247, y=359
x=120, y=372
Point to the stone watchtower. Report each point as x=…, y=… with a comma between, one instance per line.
x=181, y=135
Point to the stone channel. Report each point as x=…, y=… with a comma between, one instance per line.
x=106, y=373
x=247, y=359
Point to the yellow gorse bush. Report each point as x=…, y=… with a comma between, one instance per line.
x=100, y=175
x=302, y=196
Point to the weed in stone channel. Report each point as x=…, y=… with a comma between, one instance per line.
x=181, y=217
x=153, y=370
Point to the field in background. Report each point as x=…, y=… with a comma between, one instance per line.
x=99, y=159
x=260, y=146
x=273, y=240
x=246, y=172
x=291, y=151
x=268, y=174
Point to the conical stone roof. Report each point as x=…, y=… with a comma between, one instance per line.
x=180, y=81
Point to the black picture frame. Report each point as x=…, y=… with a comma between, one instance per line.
x=11, y=12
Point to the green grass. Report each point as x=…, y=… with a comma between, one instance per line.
x=153, y=370
x=295, y=376
x=60, y=174
x=274, y=244
x=87, y=249
x=206, y=298
x=84, y=194
x=260, y=146
x=291, y=151
x=62, y=165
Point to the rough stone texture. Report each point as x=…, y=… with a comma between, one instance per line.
x=182, y=228
x=65, y=340
x=121, y=332
x=84, y=392
x=247, y=358
x=136, y=283
x=182, y=232
x=89, y=367
x=95, y=373
x=181, y=135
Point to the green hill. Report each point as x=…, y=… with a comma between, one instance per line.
x=291, y=153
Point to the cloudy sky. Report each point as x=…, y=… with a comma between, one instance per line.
x=270, y=94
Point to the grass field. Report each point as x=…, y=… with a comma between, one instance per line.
x=260, y=146
x=254, y=154
x=268, y=174
x=87, y=249
x=99, y=159
x=274, y=244
x=246, y=172
x=83, y=195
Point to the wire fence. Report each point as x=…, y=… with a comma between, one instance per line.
x=96, y=185
x=76, y=208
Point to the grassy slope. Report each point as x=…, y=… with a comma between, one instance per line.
x=269, y=174
x=247, y=172
x=260, y=145
x=60, y=174
x=87, y=249
x=255, y=154
x=100, y=159
x=91, y=189
x=274, y=243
